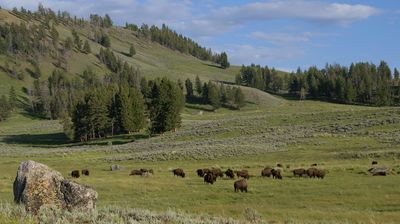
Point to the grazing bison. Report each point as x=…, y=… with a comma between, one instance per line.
x=217, y=172
x=314, y=164
x=312, y=172
x=179, y=172
x=279, y=165
x=210, y=178
x=240, y=185
x=266, y=172
x=147, y=171
x=229, y=173
x=320, y=174
x=374, y=163
x=200, y=173
x=85, y=172
x=299, y=172
x=243, y=173
x=136, y=173
x=276, y=173
x=75, y=173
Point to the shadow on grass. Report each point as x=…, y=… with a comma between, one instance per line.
x=60, y=139
x=212, y=65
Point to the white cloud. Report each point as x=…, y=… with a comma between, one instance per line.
x=247, y=54
x=227, y=18
x=282, y=38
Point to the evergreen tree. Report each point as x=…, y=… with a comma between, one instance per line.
x=167, y=101
x=126, y=112
x=132, y=50
x=189, y=88
x=396, y=74
x=86, y=47
x=138, y=109
x=224, y=60
x=213, y=96
x=77, y=39
x=239, y=99
x=198, y=86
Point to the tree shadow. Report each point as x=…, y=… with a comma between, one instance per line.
x=212, y=65
x=54, y=140
x=37, y=140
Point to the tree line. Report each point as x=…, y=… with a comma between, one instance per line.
x=360, y=83
x=171, y=39
x=216, y=95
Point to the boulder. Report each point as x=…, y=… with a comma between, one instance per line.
x=37, y=185
x=115, y=168
x=380, y=171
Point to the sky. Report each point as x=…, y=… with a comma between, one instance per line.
x=284, y=34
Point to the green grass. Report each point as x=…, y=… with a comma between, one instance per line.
x=292, y=133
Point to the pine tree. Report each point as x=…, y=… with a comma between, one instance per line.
x=189, y=88
x=138, y=109
x=213, y=95
x=126, y=112
x=132, y=50
x=239, y=99
x=224, y=60
x=86, y=47
x=198, y=86
x=167, y=101
x=349, y=92
x=12, y=98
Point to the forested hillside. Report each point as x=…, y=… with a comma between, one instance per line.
x=360, y=83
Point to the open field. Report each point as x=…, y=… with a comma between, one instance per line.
x=341, y=139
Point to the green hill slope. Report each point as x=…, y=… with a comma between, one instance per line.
x=152, y=59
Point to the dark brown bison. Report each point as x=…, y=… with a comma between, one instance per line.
x=312, y=172
x=179, y=172
x=266, y=172
x=276, y=173
x=147, y=171
x=320, y=174
x=75, y=173
x=314, y=164
x=279, y=165
x=217, y=172
x=200, y=172
x=243, y=173
x=299, y=172
x=136, y=173
x=374, y=162
x=379, y=173
x=210, y=178
x=240, y=185
x=85, y=172
x=229, y=173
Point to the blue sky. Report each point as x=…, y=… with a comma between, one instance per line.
x=280, y=33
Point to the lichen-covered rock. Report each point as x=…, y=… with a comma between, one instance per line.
x=37, y=185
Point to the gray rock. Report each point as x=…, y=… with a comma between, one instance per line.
x=37, y=185
x=115, y=167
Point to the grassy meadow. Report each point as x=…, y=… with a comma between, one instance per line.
x=341, y=139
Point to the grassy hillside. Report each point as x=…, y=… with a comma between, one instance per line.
x=152, y=59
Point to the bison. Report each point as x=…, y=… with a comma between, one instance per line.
x=276, y=173
x=200, y=173
x=299, y=172
x=266, y=172
x=217, y=172
x=312, y=172
x=85, y=172
x=75, y=173
x=243, y=173
x=179, y=172
x=147, y=171
x=210, y=178
x=229, y=173
x=374, y=163
x=320, y=174
x=240, y=185
x=314, y=164
x=136, y=173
